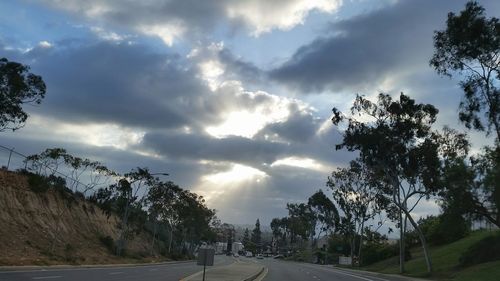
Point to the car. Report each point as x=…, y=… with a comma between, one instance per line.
x=248, y=254
x=236, y=255
x=259, y=256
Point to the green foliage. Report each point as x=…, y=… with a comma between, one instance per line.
x=445, y=228
x=485, y=250
x=37, y=183
x=17, y=87
x=470, y=45
x=324, y=211
x=373, y=253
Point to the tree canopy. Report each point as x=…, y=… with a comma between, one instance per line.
x=18, y=86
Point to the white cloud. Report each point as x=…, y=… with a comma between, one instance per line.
x=166, y=32
x=248, y=121
x=170, y=20
x=300, y=162
x=263, y=16
x=45, y=44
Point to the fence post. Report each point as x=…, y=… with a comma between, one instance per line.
x=10, y=155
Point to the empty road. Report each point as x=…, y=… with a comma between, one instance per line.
x=293, y=271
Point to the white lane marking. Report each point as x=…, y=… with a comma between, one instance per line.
x=46, y=277
x=115, y=273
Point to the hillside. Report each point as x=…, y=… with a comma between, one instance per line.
x=445, y=262
x=46, y=228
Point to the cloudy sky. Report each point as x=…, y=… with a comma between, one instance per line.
x=232, y=98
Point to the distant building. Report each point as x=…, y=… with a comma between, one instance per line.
x=220, y=247
x=237, y=247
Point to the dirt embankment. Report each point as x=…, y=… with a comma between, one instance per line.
x=41, y=228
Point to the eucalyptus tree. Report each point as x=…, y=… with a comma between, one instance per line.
x=281, y=231
x=356, y=193
x=162, y=199
x=470, y=47
x=301, y=222
x=129, y=198
x=18, y=86
x=325, y=213
x=396, y=144
x=195, y=220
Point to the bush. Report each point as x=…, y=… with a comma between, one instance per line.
x=69, y=253
x=37, y=183
x=485, y=250
x=109, y=243
x=445, y=228
x=373, y=253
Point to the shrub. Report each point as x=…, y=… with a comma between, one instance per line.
x=37, y=183
x=485, y=250
x=109, y=243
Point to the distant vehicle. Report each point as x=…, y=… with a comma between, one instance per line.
x=278, y=257
x=236, y=255
x=248, y=254
x=259, y=256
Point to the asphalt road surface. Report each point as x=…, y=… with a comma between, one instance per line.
x=162, y=272
x=279, y=270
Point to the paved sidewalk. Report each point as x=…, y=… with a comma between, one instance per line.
x=238, y=271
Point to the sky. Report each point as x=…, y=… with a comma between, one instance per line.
x=232, y=98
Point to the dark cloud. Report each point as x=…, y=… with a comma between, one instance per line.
x=117, y=83
x=300, y=127
x=366, y=49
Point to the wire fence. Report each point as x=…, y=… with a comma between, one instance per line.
x=11, y=160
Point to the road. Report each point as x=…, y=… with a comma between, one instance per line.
x=294, y=271
x=140, y=273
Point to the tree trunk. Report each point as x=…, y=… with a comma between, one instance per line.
x=360, y=242
x=154, y=236
x=121, y=239
x=401, y=245
x=422, y=241
x=170, y=239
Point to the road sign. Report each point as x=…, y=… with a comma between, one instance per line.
x=206, y=256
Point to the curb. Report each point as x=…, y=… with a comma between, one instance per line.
x=255, y=275
x=63, y=266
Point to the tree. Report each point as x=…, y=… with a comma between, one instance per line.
x=356, y=193
x=325, y=212
x=127, y=190
x=256, y=238
x=470, y=45
x=280, y=230
x=162, y=199
x=395, y=142
x=246, y=239
x=195, y=220
x=18, y=86
x=301, y=222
